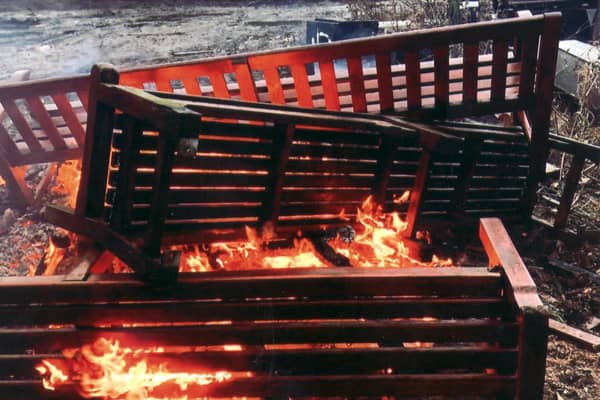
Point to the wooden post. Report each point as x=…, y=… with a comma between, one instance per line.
x=163, y=170
x=522, y=294
x=94, y=169
x=387, y=152
x=573, y=177
x=546, y=69
x=418, y=192
x=132, y=136
x=471, y=151
x=282, y=142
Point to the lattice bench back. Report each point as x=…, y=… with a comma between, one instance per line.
x=431, y=73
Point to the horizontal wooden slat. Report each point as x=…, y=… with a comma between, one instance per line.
x=389, y=332
x=197, y=196
x=321, y=283
x=282, y=387
x=182, y=212
x=314, y=361
x=185, y=311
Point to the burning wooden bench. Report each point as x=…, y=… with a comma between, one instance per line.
x=431, y=74
x=325, y=332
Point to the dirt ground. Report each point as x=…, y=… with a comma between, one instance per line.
x=61, y=38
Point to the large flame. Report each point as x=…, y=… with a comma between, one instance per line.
x=379, y=242
x=106, y=370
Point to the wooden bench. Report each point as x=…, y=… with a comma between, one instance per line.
x=326, y=332
x=165, y=168
x=417, y=75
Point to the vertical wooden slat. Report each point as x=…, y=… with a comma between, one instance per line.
x=470, y=64
x=413, y=80
x=274, y=86
x=21, y=124
x=499, y=60
x=191, y=85
x=219, y=85
x=540, y=113
x=163, y=170
x=282, y=142
x=163, y=85
x=329, y=82
x=385, y=162
x=566, y=200
x=132, y=136
x=357, y=84
x=245, y=80
x=84, y=98
x=418, y=192
x=39, y=111
x=528, y=53
x=66, y=111
x=384, y=82
x=99, y=130
x=441, y=73
x=302, y=86
x=471, y=151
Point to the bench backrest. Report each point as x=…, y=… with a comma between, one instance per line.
x=414, y=72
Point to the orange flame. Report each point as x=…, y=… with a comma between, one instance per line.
x=380, y=244
x=67, y=181
x=104, y=369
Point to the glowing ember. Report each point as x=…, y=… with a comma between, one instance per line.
x=106, y=370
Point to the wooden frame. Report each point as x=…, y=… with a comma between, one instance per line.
x=180, y=122
x=487, y=327
x=505, y=81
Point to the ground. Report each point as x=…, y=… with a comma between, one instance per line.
x=67, y=38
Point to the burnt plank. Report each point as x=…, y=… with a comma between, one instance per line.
x=403, y=386
x=249, y=333
x=310, y=283
x=314, y=361
x=167, y=311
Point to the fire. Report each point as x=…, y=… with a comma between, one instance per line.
x=106, y=370
x=67, y=181
x=377, y=242
x=251, y=254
